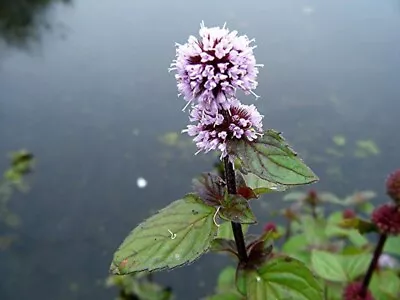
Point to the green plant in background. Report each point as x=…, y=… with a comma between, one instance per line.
x=335, y=244
x=139, y=287
x=13, y=180
x=210, y=70
x=338, y=244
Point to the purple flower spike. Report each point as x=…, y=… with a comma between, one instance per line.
x=213, y=130
x=212, y=67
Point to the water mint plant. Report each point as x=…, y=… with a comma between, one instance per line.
x=210, y=71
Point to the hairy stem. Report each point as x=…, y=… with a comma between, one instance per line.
x=236, y=227
x=372, y=265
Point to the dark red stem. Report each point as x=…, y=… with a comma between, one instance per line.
x=236, y=227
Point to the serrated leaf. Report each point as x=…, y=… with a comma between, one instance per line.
x=283, y=278
x=270, y=158
x=176, y=235
x=210, y=188
x=339, y=268
x=261, y=186
x=236, y=208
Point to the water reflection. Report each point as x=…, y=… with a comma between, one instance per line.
x=22, y=21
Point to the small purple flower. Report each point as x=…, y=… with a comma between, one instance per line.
x=387, y=261
x=213, y=130
x=212, y=67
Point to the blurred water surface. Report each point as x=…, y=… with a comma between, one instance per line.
x=84, y=86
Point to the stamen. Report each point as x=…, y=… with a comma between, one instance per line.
x=190, y=101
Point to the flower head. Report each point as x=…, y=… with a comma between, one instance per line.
x=353, y=290
x=213, y=130
x=348, y=214
x=212, y=67
x=393, y=186
x=270, y=226
x=387, y=219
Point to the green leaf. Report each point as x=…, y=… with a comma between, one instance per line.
x=241, y=281
x=270, y=158
x=236, y=208
x=261, y=186
x=334, y=291
x=150, y=291
x=176, y=235
x=392, y=245
x=226, y=286
x=226, y=296
x=295, y=243
x=385, y=285
x=334, y=229
x=328, y=266
x=226, y=279
x=314, y=230
x=225, y=230
x=282, y=278
x=339, y=268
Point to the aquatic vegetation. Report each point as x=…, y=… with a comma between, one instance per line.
x=13, y=180
x=366, y=148
x=339, y=140
x=316, y=256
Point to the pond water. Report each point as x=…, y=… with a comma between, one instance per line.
x=84, y=86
